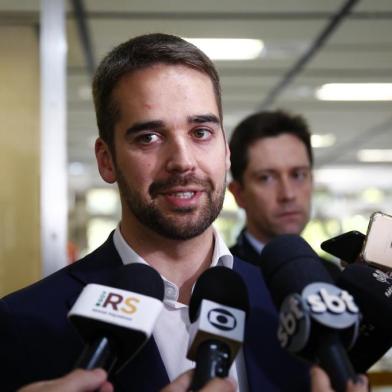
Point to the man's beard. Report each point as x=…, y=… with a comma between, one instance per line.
x=169, y=225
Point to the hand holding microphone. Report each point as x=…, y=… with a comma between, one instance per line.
x=117, y=320
x=317, y=319
x=321, y=382
x=217, y=311
x=90, y=380
x=77, y=381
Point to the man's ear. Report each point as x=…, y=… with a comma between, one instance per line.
x=237, y=190
x=227, y=156
x=105, y=161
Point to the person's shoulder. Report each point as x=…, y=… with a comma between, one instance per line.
x=63, y=282
x=42, y=291
x=245, y=266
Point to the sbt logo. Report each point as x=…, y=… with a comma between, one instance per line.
x=222, y=319
x=294, y=324
x=331, y=306
x=117, y=302
x=335, y=301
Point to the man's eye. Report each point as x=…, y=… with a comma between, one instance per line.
x=265, y=178
x=147, y=138
x=300, y=175
x=202, y=133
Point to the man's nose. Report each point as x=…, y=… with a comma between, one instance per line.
x=180, y=156
x=286, y=189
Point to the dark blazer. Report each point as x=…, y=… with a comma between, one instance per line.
x=245, y=251
x=37, y=342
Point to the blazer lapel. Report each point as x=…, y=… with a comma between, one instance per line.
x=254, y=353
x=96, y=267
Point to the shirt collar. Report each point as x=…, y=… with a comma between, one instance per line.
x=221, y=256
x=256, y=244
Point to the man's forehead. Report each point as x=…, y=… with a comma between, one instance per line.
x=269, y=152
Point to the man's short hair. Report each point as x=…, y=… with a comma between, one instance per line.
x=262, y=125
x=139, y=53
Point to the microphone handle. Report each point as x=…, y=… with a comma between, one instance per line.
x=213, y=359
x=97, y=354
x=334, y=360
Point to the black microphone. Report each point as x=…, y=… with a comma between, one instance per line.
x=372, y=290
x=117, y=320
x=217, y=311
x=317, y=319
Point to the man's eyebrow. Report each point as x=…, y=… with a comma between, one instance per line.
x=204, y=118
x=143, y=126
x=158, y=124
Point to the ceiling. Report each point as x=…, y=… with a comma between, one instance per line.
x=357, y=49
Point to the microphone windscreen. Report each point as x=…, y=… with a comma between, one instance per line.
x=372, y=290
x=139, y=278
x=123, y=313
x=290, y=264
x=221, y=285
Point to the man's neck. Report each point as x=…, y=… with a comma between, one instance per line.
x=261, y=237
x=180, y=261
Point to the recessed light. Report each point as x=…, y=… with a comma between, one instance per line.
x=322, y=141
x=375, y=155
x=229, y=48
x=355, y=92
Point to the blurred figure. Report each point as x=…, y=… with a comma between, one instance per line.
x=271, y=167
x=73, y=252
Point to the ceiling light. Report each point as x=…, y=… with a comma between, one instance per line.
x=322, y=141
x=375, y=155
x=229, y=48
x=355, y=92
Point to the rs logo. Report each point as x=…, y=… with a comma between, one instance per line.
x=117, y=302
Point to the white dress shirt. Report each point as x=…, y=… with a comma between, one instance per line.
x=171, y=332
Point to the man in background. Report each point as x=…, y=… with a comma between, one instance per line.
x=271, y=167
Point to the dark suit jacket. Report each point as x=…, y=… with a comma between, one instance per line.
x=37, y=342
x=245, y=251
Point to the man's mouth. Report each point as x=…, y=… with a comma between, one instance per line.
x=182, y=195
x=289, y=214
x=179, y=187
x=182, y=198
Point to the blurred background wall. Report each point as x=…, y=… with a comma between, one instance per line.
x=20, y=246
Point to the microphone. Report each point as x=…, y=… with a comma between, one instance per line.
x=217, y=311
x=372, y=290
x=116, y=321
x=317, y=319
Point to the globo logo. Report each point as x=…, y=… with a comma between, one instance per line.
x=222, y=319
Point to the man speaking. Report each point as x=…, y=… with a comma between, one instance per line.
x=159, y=114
